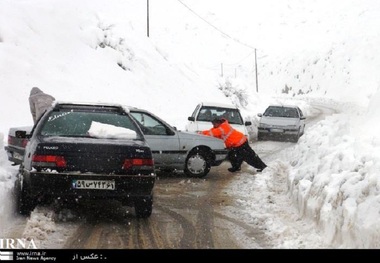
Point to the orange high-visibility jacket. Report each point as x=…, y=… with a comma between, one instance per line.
x=231, y=137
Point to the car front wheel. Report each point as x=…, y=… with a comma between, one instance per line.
x=297, y=136
x=197, y=164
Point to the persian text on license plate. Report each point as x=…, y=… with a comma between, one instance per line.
x=93, y=184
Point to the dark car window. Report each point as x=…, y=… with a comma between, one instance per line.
x=78, y=123
x=205, y=115
x=300, y=112
x=290, y=113
x=209, y=113
x=148, y=124
x=273, y=112
x=283, y=112
x=195, y=111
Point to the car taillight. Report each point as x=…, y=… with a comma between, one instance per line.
x=130, y=163
x=13, y=141
x=10, y=140
x=44, y=160
x=24, y=142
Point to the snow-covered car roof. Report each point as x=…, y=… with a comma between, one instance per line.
x=217, y=104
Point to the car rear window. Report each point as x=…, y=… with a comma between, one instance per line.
x=78, y=123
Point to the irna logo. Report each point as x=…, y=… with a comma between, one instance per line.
x=17, y=243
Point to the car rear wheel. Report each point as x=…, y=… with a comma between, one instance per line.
x=24, y=203
x=144, y=207
x=197, y=164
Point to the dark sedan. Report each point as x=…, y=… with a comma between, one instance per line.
x=86, y=151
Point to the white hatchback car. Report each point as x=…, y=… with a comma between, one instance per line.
x=205, y=112
x=281, y=121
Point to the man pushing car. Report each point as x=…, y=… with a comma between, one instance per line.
x=237, y=143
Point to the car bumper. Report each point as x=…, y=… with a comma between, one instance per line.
x=15, y=155
x=92, y=186
x=277, y=131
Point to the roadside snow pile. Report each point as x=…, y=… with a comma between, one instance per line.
x=6, y=186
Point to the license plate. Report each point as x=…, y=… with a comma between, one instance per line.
x=17, y=156
x=276, y=130
x=93, y=184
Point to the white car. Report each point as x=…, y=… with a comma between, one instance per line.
x=205, y=112
x=281, y=121
x=174, y=150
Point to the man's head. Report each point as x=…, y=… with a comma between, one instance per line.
x=216, y=122
x=35, y=90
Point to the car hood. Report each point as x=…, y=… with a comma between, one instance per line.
x=279, y=121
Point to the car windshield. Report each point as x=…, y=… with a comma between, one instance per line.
x=283, y=112
x=90, y=124
x=209, y=113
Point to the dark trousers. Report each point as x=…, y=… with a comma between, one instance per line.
x=247, y=154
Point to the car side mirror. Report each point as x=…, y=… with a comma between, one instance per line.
x=248, y=123
x=303, y=118
x=260, y=114
x=191, y=118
